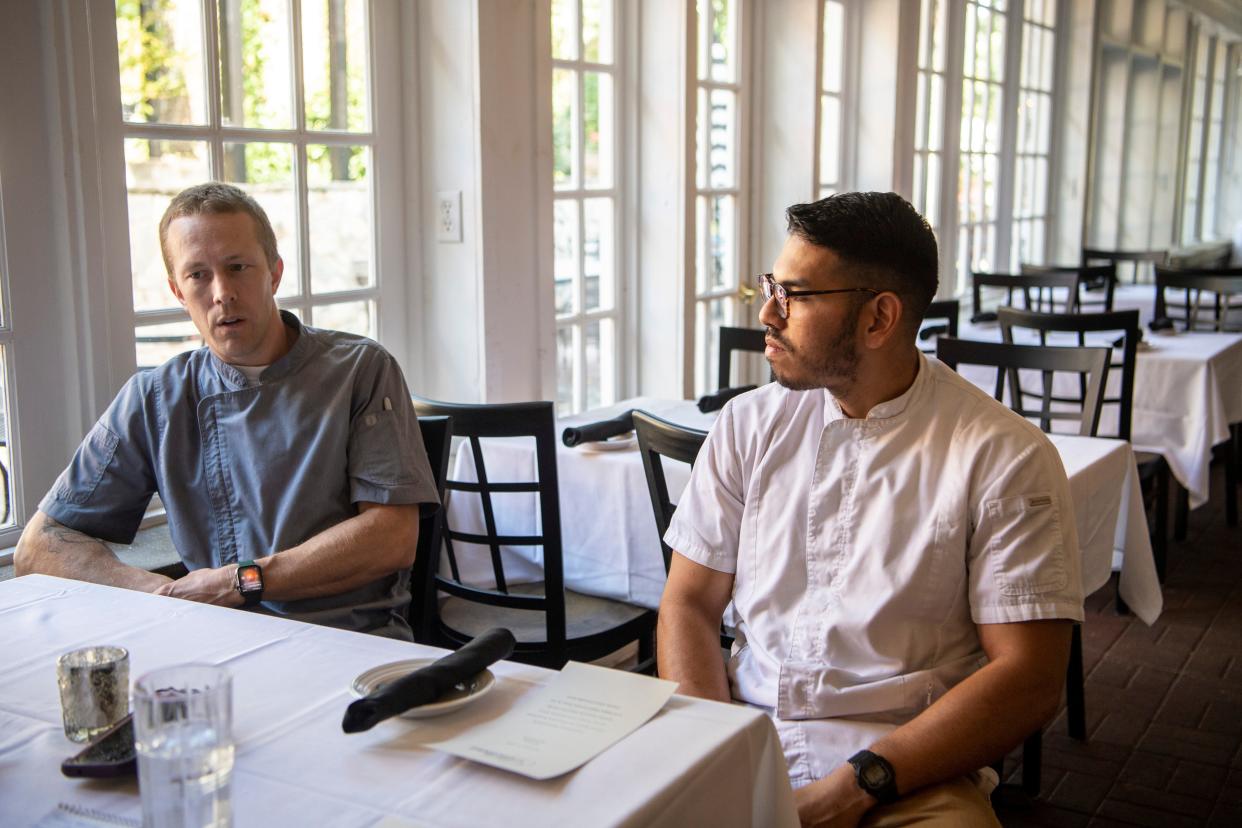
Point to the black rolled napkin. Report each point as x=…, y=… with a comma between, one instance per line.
x=1161, y=323
x=714, y=402
x=595, y=432
x=983, y=316
x=933, y=330
x=429, y=683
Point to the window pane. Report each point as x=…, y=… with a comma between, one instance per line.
x=722, y=138
x=600, y=353
x=597, y=129
x=7, y=518
x=160, y=49
x=722, y=51
x=830, y=141
x=596, y=32
x=565, y=255
x=564, y=30
x=265, y=171
x=566, y=369
x=255, y=82
x=834, y=38
x=156, y=344
x=155, y=171
x=598, y=254
x=564, y=134
x=335, y=60
x=709, y=316
x=340, y=225
x=721, y=242
x=351, y=317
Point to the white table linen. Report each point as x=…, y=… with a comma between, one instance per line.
x=696, y=762
x=611, y=547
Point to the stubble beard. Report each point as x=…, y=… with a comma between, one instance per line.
x=835, y=367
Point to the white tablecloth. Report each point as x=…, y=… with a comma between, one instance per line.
x=696, y=762
x=1187, y=390
x=611, y=548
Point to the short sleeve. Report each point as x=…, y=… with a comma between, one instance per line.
x=387, y=462
x=708, y=521
x=108, y=484
x=1024, y=563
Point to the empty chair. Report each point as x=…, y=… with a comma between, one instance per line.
x=940, y=320
x=551, y=624
x=437, y=437
x=1136, y=259
x=1219, y=284
x=1091, y=280
x=736, y=339
x=1042, y=292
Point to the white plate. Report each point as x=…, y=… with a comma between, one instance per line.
x=460, y=696
x=618, y=443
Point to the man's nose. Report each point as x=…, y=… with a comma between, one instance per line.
x=769, y=315
x=223, y=290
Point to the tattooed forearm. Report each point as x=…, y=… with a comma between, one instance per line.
x=57, y=533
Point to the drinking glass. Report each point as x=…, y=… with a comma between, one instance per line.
x=94, y=690
x=183, y=720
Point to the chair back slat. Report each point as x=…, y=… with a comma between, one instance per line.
x=1080, y=324
x=437, y=434
x=735, y=339
x=491, y=538
x=1135, y=258
x=1009, y=358
x=1090, y=278
x=657, y=439
x=1031, y=287
x=942, y=309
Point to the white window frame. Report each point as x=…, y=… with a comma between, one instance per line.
x=614, y=309
x=8, y=408
x=840, y=179
x=697, y=254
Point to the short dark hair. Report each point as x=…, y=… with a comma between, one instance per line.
x=215, y=198
x=879, y=233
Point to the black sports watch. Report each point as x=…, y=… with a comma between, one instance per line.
x=248, y=581
x=875, y=776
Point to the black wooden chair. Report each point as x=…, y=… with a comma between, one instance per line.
x=1091, y=280
x=940, y=320
x=552, y=624
x=1153, y=470
x=1221, y=283
x=735, y=339
x=1031, y=288
x=1008, y=359
x=658, y=439
x=1135, y=258
x=437, y=439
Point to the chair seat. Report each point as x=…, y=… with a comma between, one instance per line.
x=585, y=615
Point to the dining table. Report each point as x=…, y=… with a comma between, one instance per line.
x=695, y=762
x=611, y=548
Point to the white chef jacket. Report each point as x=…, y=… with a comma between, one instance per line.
x=865, y=551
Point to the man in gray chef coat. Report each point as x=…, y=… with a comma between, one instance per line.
x=288, y=458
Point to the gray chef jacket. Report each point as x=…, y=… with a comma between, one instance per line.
x=248, y=470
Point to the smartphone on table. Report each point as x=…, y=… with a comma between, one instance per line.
x=109, y=754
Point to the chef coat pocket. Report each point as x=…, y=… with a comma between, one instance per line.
x=378, y=450
x=1025, y=548
x=78, y=482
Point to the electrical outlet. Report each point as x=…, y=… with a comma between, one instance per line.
x=448, y=216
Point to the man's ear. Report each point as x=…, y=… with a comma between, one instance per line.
x=887, y=315
x=277, y=272
x=176, y=290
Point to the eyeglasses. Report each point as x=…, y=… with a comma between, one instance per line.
x=772, y=288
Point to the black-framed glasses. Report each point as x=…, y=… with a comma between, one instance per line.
x=772, y=288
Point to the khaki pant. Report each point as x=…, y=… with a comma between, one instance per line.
x=958, y=803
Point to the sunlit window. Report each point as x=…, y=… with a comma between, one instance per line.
x=929, y=113
x=831, y=82
x=584, y=214
x=287, y=121
x=8, y=516
x=1032, y=163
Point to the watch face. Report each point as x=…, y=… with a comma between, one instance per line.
x=874, y=775
x=249, y=578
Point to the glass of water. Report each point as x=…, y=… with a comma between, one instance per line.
x=183, y=731
x=94, y=690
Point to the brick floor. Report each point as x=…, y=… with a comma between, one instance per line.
x=1164, y=703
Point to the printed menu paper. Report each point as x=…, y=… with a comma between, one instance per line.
x=563, y=723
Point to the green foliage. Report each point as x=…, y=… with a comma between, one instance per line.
x=152, y=82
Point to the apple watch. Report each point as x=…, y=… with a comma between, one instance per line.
x=249, y=582
x=875, y=776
